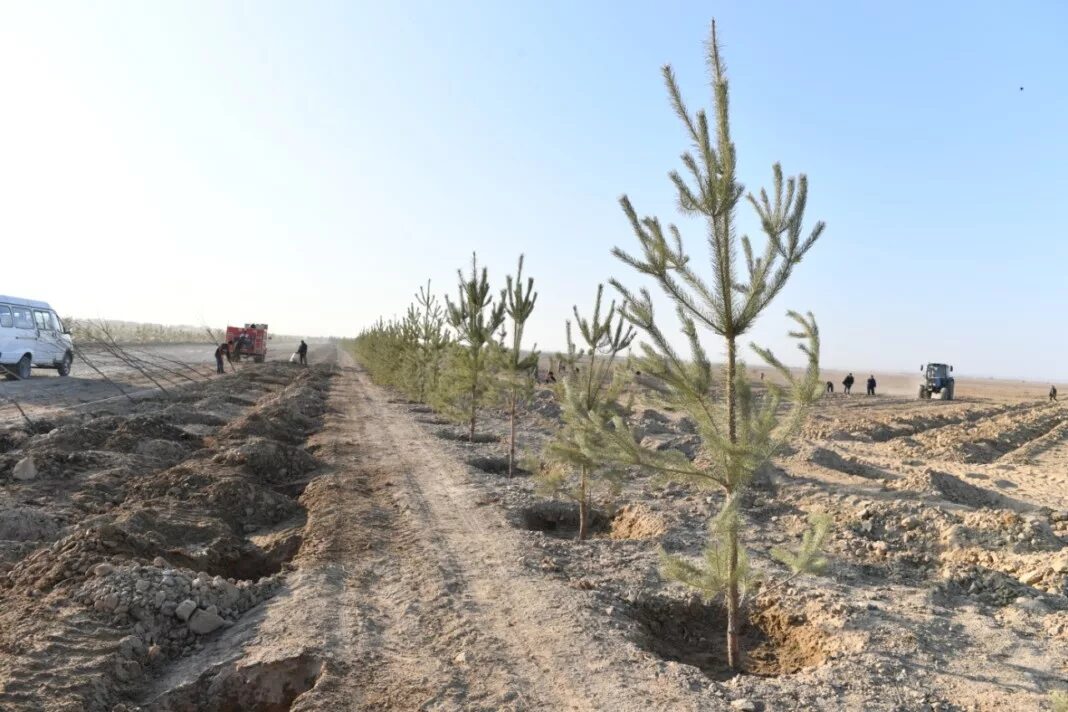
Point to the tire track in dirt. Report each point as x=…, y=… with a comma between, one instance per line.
x=402, y=618
x=437, y=611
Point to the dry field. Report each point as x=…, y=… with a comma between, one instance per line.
x=287, y=538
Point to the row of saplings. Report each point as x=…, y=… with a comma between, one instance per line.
x=458, y=356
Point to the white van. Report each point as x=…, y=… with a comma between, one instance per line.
x=32, y=335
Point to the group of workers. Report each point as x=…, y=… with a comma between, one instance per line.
x=232, y=349
x=847, y=385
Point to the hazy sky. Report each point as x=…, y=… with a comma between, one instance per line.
x=310, y=164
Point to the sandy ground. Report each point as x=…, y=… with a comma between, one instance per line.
x=332, y=547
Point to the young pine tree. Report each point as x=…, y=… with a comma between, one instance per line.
x=740, y=437
x=589, y=399
x=475, y=318
x=432, y=341
x=518, y=369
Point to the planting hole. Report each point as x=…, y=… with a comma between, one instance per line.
x=496, y=466
x=432, y=420
x=694, y=633
x=447, y=434
x=559, y=519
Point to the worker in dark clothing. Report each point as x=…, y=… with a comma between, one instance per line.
x=220, y=351
x=830, y=386
x=847, y=383
x=550, y=377
x=302, y=351
x=1053, y=393
x=871, y=385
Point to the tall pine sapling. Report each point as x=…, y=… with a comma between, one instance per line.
x=589, y=401
x=738, y=442
x=475, y=318
x=518, y=301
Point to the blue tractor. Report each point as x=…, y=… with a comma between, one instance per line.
x=937, y=380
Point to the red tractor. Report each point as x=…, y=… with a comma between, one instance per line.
x=248, y=341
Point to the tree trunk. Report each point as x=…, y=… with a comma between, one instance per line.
x=734, y=652
x=584, y=513
x=511, y=439
x=474, y=404
x=733, y=644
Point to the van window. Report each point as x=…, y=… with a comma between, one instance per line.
x=57, y=324
x=43, y=319
x=23, y=317
x=5, y=317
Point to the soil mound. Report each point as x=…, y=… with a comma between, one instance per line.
x=271, y=460
x=637, y=521
x=953, y=489
x=830, y=459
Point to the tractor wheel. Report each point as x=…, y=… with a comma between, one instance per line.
x=947, y=393
x=924, y=393
x=258, y=358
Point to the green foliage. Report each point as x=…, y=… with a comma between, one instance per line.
x=808, y=559
x=743, y=432
x=519, y=371
x=715, y=574
x=475, y=318
x=588, y=392
x=432, y=339
x=407, y=354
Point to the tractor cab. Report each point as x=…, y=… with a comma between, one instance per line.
x=937, y=380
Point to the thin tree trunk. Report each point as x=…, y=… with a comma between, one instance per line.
x=584, y=512
x=511, y=440
x=474, y=403
x=733, y=614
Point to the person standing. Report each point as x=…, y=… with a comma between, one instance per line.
x=871, y=385
x=302, y=352
x=220, y=351
x=830, y=386
x=1052, y=393
x=847, y=383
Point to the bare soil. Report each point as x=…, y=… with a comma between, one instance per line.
x=299, y=539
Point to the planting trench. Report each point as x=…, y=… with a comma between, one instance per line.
x=180, y=535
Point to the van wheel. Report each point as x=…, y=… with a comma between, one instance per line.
x=64, y=366
x=24, y=365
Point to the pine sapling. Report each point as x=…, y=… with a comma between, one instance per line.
x=589, y=401
x=737, y=442
x=433, y=340
x=475, y=318
x=518, y=301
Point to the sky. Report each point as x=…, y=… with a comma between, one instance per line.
x=310, y=165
